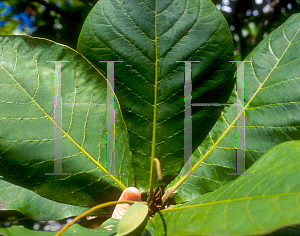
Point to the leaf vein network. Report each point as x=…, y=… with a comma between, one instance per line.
x=179, y=40
x=131, y=43
x=117, y=55
x=136, y=94
x=132, y=23
x=174, y=22
x=147, y=6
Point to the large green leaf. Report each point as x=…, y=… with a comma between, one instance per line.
x=272, y=99
x=27, y=125
x=32, y=205
x=150, y=36
x=250, y=205
x=103, y=230
x=108, y=228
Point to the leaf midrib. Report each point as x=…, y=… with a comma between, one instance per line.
x=151, y=184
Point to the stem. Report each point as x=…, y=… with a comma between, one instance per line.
x=89, y=211
x=151, y=187
x=159, y=176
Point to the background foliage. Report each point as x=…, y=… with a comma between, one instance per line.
x=61, y=20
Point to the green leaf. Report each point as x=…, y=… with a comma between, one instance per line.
x=18, y=230
x=150, y=37
x=272, y=99
x=134, y=220
x=250, y=205
x=27, y=124
x=32, y=205
x=73, y=230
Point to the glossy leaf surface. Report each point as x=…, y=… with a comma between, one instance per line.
x=150, y=37
x=27, y=124
x=250, y=205
x=106, y=230
x=32, y=205
x=272, y=99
